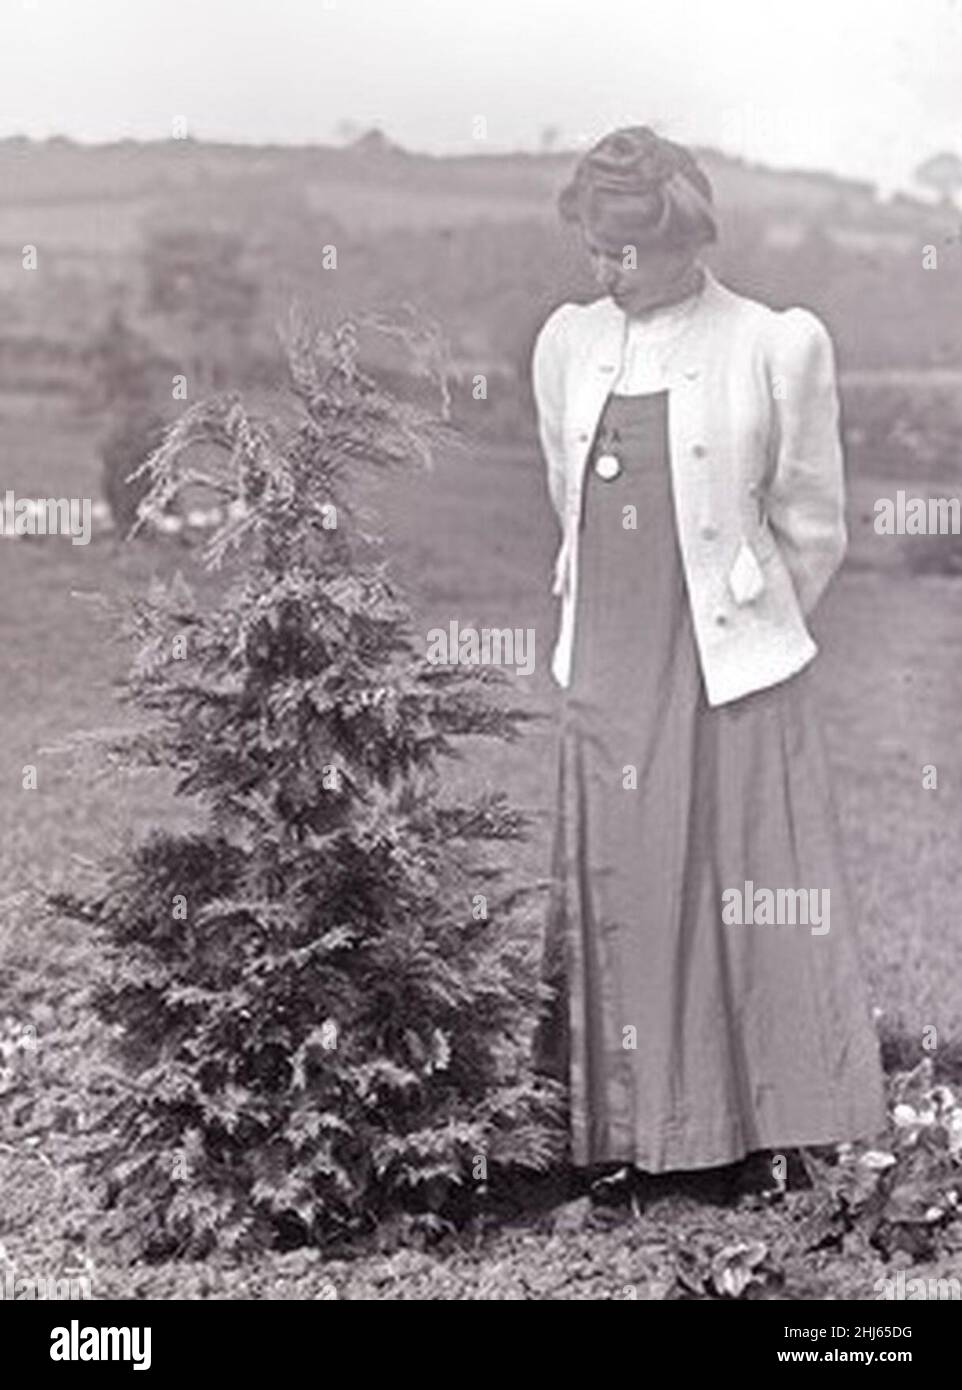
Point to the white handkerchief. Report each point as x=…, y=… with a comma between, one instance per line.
x=746, y=578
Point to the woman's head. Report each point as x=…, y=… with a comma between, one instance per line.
x=645, y=210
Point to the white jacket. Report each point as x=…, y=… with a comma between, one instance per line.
x=756, y=470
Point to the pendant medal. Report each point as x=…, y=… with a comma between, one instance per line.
x=607, y=466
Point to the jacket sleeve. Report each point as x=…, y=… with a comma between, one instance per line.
x=806, y=494
x=547, y=382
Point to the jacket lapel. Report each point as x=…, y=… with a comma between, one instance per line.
x=598, y=364
x=594, y=371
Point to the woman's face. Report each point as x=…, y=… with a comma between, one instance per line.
x=660, y=275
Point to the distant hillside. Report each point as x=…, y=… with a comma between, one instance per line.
x=472, y=240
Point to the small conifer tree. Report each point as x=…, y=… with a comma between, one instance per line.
x=318, y=1025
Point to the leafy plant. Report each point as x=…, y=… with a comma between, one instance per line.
x=906, y=1196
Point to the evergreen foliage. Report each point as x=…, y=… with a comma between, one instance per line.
x=316, y=1026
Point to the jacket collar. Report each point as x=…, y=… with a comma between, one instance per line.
x=713, y=297
x=607, y=335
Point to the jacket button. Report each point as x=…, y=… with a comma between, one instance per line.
x=583, y=438
x=709, y=533
x=720, y=620
x=699, y=451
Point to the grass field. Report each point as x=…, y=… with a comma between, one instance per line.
x=473, y=540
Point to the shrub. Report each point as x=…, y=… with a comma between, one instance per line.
x=131, y=440
x=317, y=1027
x=128, y=378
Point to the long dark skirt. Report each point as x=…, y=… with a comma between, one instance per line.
x=689, y=1041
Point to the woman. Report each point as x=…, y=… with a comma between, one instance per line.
x=691, y=441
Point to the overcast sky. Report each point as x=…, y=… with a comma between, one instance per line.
x=861, y=87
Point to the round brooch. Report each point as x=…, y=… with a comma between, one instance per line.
x=607, y=466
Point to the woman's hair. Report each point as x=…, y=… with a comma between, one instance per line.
x=636, y=188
